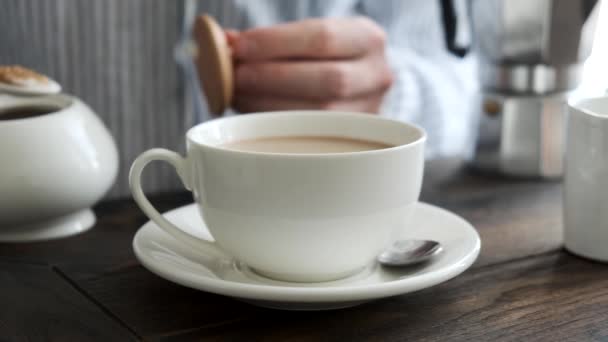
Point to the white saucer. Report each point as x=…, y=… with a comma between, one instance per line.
x=172, y=260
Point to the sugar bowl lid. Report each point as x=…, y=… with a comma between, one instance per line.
x=17, y=80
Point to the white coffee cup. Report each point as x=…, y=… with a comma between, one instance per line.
x=586, y=179
x=296, y=217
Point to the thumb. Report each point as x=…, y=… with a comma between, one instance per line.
x=231, y=36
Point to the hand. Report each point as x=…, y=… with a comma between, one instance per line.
x=334, y=64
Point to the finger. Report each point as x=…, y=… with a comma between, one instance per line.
x=311, y=38
x=252, y=103
x=231, y=36
x=249, y=103
x=366, y=104
x=316, y=80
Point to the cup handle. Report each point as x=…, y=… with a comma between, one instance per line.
x=180, y=165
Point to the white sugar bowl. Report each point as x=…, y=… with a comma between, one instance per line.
x=57, y=159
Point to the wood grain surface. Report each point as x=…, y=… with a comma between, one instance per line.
x=549, y=298
x=38, y=304
x=523, y=287
x=515, y=217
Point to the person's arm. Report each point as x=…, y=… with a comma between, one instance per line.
x=432, y=87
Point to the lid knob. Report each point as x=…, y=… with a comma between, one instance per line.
x=17, y=80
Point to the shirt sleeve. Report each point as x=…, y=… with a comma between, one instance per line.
x=433, y=88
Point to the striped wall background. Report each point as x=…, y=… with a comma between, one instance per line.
x=117, y=55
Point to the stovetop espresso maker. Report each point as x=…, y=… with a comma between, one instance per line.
x=531, y=56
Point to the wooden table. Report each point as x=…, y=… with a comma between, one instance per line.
x=522, y=288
